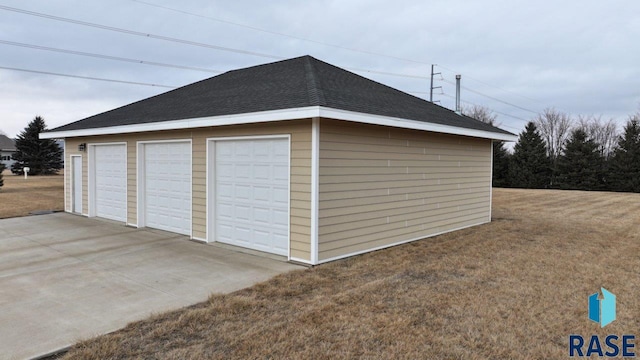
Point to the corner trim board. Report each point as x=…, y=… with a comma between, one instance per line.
x=72, y=195
x=64, y=172
x=315, y=188
x=491, y=182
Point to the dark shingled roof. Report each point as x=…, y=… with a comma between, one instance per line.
x=6, y=143
x=294, y=83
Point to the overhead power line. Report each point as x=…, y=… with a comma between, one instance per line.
x=386, y=73
x=107, y=57
x=493, y=98
x=279, y=33
x=493, y=86
x=495, y=111
x=154, y=63
x=469, y=103
x=87, y=77
x=181, y=41
x=137, y=33
x=224, y=21
x=216, y=47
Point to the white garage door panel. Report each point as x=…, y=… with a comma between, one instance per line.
x=252, y=194
x=167, y=168
x=111, y=181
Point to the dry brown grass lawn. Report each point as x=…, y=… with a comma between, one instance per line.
x=18, y=197
x=512, y=289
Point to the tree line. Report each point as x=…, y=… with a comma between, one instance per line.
x=556, y=151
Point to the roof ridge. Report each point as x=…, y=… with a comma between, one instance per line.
x=316, y=95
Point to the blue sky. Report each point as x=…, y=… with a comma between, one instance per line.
x=515, y=57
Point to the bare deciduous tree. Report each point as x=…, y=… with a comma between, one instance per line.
x=554, y=126
x=481, y=113
x=602, y=132
x=501, y=156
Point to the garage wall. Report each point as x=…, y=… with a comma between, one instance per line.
x=300, y=186
x=380, y=186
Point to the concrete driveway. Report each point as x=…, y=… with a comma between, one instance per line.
x=64, y=278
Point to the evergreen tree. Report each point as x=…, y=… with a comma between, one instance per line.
x=580, y=166
x=41, y=156
x=501, y=158
x=529, y=166
x=2, y=167
x=625, y=163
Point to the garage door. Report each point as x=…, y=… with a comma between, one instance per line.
x=252, y=194
x=111, y=181
x=167, y=186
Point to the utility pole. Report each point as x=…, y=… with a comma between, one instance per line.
x=458, y=77
x=432, y=87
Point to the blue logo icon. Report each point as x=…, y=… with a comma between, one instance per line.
x=602, y=311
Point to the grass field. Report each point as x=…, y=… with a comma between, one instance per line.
x=512, y=289
x=19, y=197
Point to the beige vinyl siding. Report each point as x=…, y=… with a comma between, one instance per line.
x=300, y=183
x=380, y=186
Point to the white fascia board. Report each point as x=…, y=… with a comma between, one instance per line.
x=248, y=118
x=411, y=124
x=280, y=115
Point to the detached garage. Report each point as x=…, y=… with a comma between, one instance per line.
x=296, y=158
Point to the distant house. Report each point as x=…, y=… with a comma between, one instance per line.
x=7, y=149
x=297, y=158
